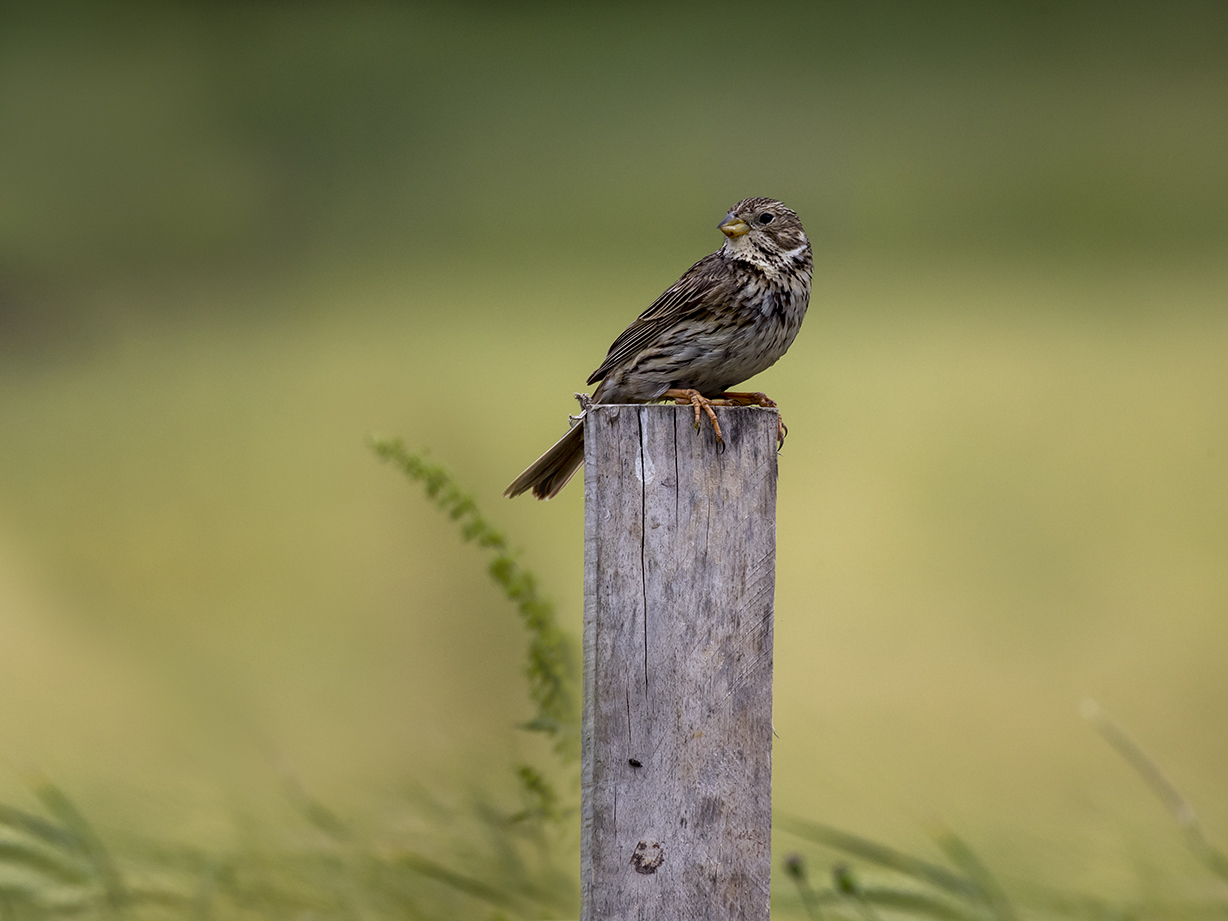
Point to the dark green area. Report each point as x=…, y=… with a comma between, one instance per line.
x=164, y=141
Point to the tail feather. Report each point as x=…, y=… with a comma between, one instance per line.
x=550, y=472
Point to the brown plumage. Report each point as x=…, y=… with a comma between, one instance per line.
x=730, y=316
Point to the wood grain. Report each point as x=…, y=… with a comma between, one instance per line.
x=680, y=552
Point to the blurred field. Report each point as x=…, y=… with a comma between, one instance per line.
x=236, y=241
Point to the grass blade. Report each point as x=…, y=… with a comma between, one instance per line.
x=105, y=871
x=880, y=854
x=43, y=861
x=795, y=868
x=1173, y=799
x=965, y=859
x=37, y=827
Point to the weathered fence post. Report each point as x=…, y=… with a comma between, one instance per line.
x=679, y=576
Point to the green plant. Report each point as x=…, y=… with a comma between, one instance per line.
x=902, y=884
x=478, y=860
x=551, y=665
x=484, y=861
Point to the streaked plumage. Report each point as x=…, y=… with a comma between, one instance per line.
x=730, y=316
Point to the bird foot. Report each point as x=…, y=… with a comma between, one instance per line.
x=747, y=399
x=701, y=404
x=759, y=399
x=585, y=402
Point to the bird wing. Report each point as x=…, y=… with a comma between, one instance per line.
x=699, y=288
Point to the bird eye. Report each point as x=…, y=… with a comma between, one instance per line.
x=765, y=218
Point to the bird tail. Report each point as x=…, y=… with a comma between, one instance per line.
x=550, y=472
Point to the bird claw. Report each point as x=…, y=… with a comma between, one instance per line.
x=702, y=404
x=585, y=402
x=747, y=399
x=760, y=399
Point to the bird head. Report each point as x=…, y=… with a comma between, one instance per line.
x=764, y=231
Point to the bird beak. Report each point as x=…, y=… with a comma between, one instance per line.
x=734, y=226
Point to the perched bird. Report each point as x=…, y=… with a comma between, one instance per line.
x=731, y=315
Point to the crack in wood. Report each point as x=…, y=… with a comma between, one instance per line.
x=644, y=539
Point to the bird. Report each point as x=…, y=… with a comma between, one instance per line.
x=731, y=315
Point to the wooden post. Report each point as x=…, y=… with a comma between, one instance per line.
x=679, y=576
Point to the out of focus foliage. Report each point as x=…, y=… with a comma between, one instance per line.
x=155, y=139
x=237, y=238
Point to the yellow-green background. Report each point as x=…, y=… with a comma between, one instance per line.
x=236, y=239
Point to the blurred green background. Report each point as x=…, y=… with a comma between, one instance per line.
x=238, y=238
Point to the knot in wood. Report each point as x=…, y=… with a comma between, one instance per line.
x=647, y=857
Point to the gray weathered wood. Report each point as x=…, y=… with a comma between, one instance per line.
x=679, y=576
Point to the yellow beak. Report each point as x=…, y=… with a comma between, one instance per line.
x=734, y=226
